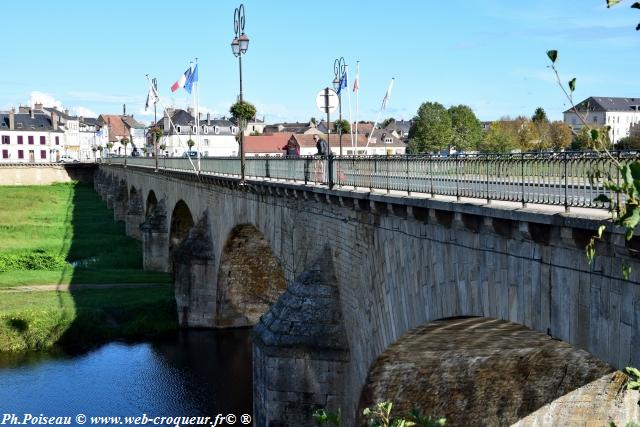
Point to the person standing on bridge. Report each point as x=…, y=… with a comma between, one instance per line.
x=323, y=150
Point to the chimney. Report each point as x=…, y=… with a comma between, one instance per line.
x=31, y=112
x=38, y=106
x=12, y=119
x=66, y=112
x=124, y=109
x=208, y=119
x=54, y=120
x=166, y=124
x=190, y=111
x=23, y=109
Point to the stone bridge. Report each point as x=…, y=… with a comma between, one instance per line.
x=338, y=281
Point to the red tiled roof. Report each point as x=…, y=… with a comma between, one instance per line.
x=271, y=143
x=116, y=127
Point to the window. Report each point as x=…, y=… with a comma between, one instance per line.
x=205, y=129
x=5, y=154
x=6, y=139
x=57, y=140
x=178, y=128
x=595, y=119
x=30, y=138
x=20, y=140
x=43, y=154
x=206, y=142
x=43, y=140
x=388, y=140
x=216, y=130
x=21, y=154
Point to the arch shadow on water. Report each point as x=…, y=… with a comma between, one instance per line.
x=152, y=366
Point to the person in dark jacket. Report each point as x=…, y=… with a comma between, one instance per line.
x=321, y=145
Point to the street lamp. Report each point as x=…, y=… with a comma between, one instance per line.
x=339, y=68
x=239, y=47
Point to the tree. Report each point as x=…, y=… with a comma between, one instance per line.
x=431, y=129
x=386, y=122
x=629, y=143
x=500, y=138
x=191, y=143
x=125, y=141
x=539, y=115
x=313, y=121
x=343, y=125
x=467, y=129
x=560, y=136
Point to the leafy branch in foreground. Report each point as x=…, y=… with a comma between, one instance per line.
x=625, y=203
x=379, y=415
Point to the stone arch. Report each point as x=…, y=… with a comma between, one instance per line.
x=250, y=278
x=150, y=204
x=477, y=368
x=181, y=223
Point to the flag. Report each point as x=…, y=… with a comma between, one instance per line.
x=388, y=94
x=343, y=83
x=152, y=98
x=356, y=83
x=181, y=81
x=193, y=78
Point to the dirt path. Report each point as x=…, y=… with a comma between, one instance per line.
x=79, y=286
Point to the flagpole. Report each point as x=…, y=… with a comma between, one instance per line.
x=346, y=70
x=164, y=109
x=357, y=103
x=197, y=96
x=382, y=107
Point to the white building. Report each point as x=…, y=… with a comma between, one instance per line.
x=30, y=137
x=621, y=114
x=217, y=136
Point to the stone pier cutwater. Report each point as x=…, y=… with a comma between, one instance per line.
x=135, y=215
x=155, y=239
x=300, y=351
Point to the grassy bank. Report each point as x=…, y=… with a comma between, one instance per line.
x=63, y=234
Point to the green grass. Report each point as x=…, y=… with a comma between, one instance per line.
x=84, y=318
x=60, y=224
x=43, y=231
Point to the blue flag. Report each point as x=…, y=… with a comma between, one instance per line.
x=193, y=78
x=343, y=83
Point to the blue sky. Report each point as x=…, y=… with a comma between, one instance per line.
x=488, y=54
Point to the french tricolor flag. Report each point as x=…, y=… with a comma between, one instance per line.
x=182, y=80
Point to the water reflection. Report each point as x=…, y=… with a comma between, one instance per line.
x=197, y=373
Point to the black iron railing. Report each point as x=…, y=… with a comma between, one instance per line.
x=565, y=179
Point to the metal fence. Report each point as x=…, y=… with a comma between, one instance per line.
x=569, y=179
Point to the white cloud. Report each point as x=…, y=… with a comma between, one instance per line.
x=84, y=112
x=45, y=99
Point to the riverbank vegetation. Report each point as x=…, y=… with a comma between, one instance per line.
x=57, y=244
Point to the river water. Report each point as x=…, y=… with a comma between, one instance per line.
x=196, y=373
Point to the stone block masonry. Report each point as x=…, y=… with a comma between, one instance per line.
x=401, y=262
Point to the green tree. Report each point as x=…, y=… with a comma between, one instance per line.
x=431, y=129
x=243, y=112
x=467, y=129
x=500, y=138
x=560, y=136
x=342, y=124
x=313, y=121
x=539, y=115
x=629, y=143
x=191, y=143
x=386, y=122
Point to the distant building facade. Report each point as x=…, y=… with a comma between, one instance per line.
x=30, y=136
x=217, y=136
x=622, y=115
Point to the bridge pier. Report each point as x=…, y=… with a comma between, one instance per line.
x=300, y=352
x=135, y=216
x=120, y=201
x=195, y=278
x=155, y=239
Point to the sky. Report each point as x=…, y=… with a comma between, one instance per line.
x=92, y=57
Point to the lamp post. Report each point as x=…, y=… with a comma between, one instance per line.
x=339, y=68
x=239, y=46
